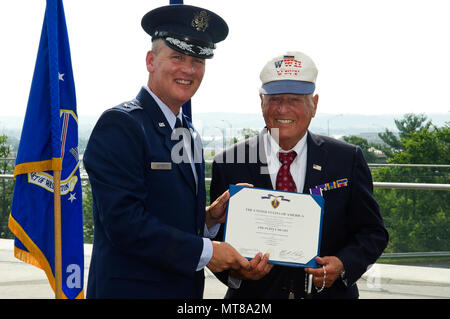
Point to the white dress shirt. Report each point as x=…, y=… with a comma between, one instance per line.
x=298, y=166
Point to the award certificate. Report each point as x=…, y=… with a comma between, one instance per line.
x=285, y=225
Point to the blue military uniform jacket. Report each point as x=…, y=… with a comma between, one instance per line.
x=353, y=228
x=148, y=214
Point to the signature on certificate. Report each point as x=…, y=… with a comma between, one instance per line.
x=291, y=254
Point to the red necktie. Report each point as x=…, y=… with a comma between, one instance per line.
x=285, y=182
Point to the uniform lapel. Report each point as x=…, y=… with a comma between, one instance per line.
x=157, y=117
x=197, y=148
x=197, y=151
x=316, y=162
x=259, y=171
x=161, y=125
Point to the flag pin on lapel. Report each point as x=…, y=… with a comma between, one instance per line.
x=317, y=167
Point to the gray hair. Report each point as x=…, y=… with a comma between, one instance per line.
x=157, y=45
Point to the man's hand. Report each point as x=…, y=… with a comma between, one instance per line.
x=226, y=257
x=259, y=267
x=216, y=213
x=333, y=267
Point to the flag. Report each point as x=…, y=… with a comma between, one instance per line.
x=49, y=142
x=187, y=109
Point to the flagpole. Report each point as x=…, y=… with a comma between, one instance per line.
x=57, y=217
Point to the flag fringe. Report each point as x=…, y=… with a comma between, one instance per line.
x=34, y=255
x=41, y=166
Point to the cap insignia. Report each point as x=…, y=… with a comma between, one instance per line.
x=200, y=21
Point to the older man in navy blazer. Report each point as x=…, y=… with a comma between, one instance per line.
x=353, y=233
x=148, y=183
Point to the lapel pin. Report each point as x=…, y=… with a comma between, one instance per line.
x=317, y=167
x=161, y=124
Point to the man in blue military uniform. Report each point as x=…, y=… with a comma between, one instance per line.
x=148, y=186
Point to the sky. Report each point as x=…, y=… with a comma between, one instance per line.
x=373, y=56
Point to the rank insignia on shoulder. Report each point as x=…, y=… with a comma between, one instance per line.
x=129, y=106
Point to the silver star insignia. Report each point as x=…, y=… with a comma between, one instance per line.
x=72, y=197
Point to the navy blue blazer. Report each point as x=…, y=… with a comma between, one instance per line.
x=148, y=215
x=353, y=228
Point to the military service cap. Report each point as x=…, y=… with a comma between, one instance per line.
x=187, y=29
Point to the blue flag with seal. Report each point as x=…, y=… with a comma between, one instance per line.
x=49, y=143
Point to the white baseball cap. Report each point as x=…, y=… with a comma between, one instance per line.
x=292, y=72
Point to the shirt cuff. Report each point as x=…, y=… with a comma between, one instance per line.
x=206, y=255
x=212, y=231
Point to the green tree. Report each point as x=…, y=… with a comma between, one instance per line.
x=418, y=220
x=406, y=126
x=365, y=146
x=429, y=144
x=88, y=218
x=6, y=186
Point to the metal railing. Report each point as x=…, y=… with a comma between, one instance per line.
x=417, y=186
x=381, y=185
x=408, y=165
x=417, y=254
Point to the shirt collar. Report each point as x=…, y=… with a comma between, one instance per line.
x=273, y=148
x=168, y=114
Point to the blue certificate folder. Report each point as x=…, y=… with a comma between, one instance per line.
x=310, y=263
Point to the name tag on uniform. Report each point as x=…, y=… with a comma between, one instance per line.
x=161, y=165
